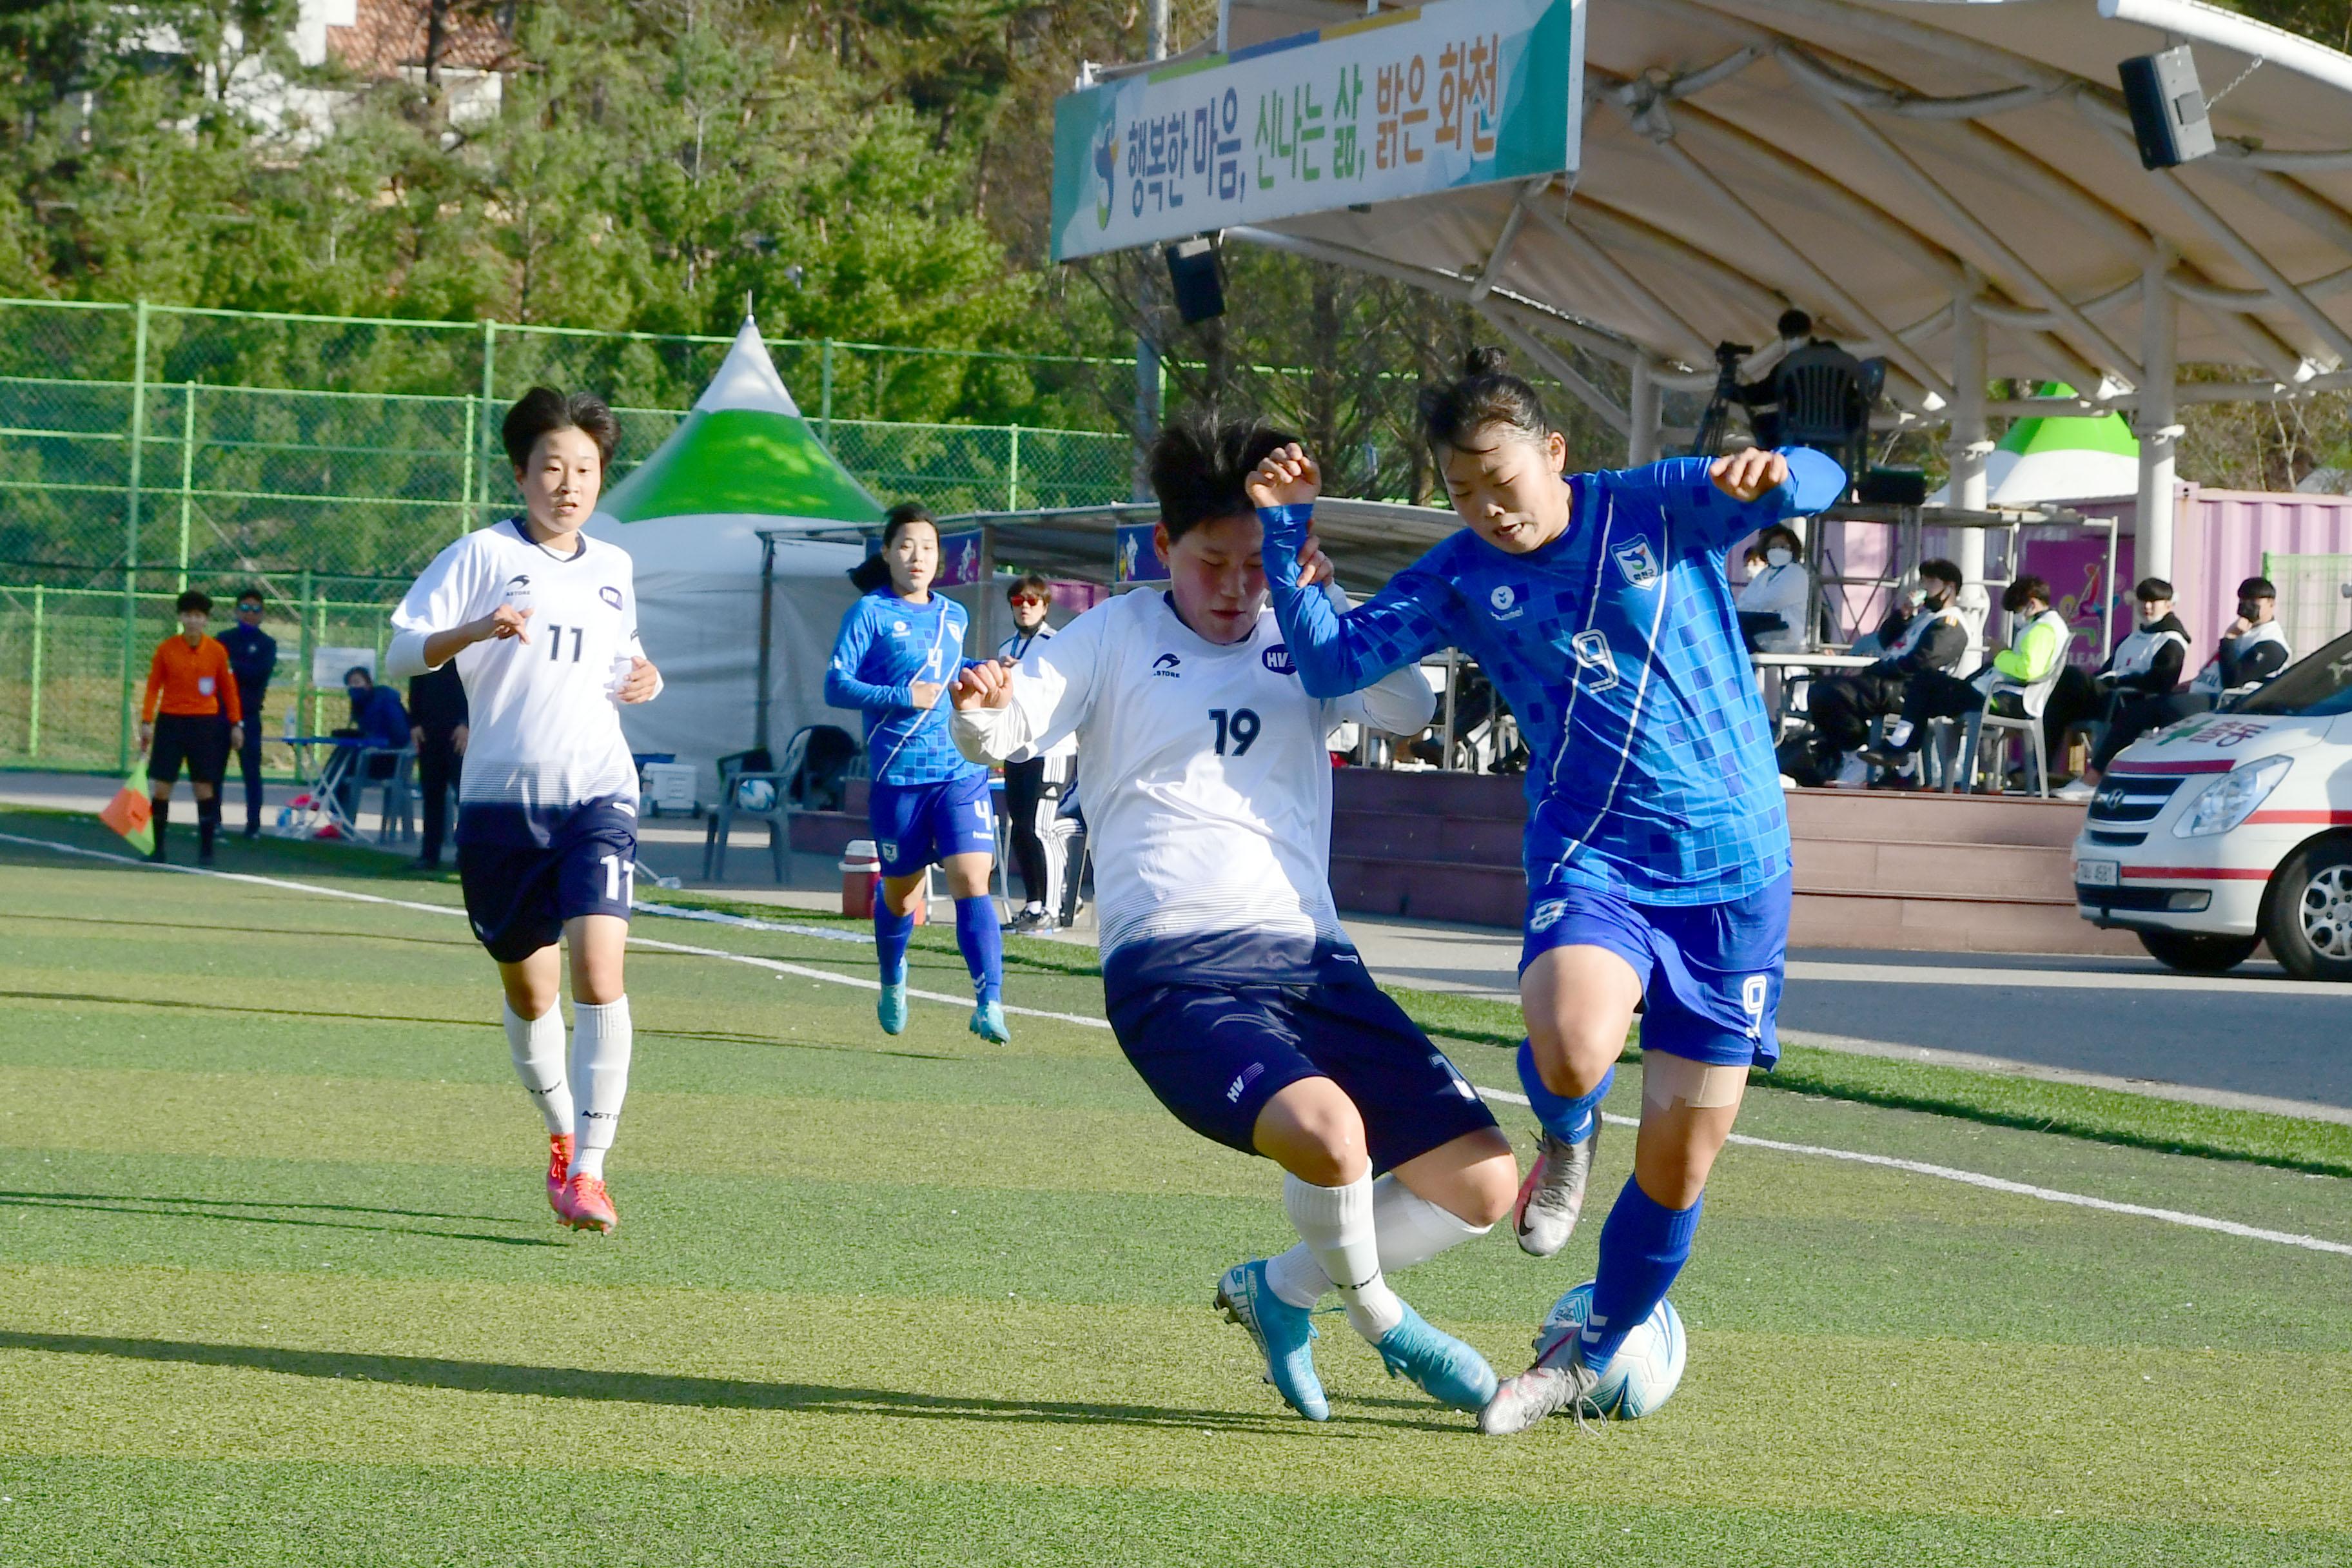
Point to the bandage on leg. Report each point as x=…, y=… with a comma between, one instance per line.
x=1669, y=1082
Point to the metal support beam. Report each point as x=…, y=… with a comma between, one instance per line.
x=1968, y=448
x=1500, y=257
x=1642, y=440
x=1693, y=343
x=1557, y=366
x=2159, y=328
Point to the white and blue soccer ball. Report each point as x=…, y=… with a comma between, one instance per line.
x=755, y=795
x=1644, y=1369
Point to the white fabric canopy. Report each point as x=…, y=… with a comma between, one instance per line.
x=1871, y=161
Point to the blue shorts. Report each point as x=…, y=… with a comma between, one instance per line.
x=1710, y=972
x=1215, y=1053
x=915, y=824
x=527, y=870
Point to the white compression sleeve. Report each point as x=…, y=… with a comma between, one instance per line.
x=536, y=1047
x=1337, y=1225
x=1410, y=1230
x=600, y=1065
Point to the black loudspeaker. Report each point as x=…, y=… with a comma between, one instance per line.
x=1192, y=275
x=2167, y=107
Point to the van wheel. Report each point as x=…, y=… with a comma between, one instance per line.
x=2193, y=954
x=2307, y=919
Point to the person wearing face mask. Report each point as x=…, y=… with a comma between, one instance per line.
x=2253, y=648
x=1932, y=640
x=1771, y=603
x=1999, y=689
x=2145, y=665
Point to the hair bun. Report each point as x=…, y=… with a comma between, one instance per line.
x=1483, y=361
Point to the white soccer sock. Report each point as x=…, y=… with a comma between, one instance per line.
x=1337, y=1225
x=600, y=1065
x=1408, y=1229
x=536, y=1047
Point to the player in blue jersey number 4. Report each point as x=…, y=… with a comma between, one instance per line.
x=900, y=648
x=1657, y=844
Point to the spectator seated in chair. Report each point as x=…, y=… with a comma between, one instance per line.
x=1998, y=688
x=2253, y=648
x=1924, y=641
x=1771, y=603
x=2145, y=665
x=379, y=723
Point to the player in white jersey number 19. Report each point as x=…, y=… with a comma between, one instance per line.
x=542, y=623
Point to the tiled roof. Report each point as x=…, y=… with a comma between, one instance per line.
x=390, y=34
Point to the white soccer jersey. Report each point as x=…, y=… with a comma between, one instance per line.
x=542, y=728
x=1202, y=768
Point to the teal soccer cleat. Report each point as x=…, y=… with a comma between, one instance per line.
x=1445, y=1369
x=1283, y=1335
x=892, y=1008
x=988, y=1023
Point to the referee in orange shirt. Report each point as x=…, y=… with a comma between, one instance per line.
x=189, y=681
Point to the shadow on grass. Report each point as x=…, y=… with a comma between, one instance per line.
x=659, y=1388
x=223, y=1209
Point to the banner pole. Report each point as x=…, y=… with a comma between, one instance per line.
x=131, y=528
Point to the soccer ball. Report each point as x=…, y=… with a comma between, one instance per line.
x=1646, y=1367
x=755, y=795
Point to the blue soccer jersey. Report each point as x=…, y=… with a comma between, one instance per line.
x=886, y=645
x=1651, y=770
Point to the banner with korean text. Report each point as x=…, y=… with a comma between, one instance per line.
x=1404, y=103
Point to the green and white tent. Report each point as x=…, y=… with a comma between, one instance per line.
x=2061, y=458
x=690, y=516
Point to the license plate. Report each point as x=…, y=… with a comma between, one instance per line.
x=2096, y=873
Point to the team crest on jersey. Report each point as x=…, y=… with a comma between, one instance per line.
x=610, y=594
x=897, y=628
x=1638, y=561
x=1166, y=664
x=1547, y=914
x=1506, y=600
x=1277, y=660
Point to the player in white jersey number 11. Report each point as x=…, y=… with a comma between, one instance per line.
x=542, y=621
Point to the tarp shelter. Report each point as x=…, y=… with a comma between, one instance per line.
x=1952, y=186
x=2061, y=457
x=745, y=464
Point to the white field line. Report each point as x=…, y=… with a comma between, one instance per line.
x=1888, y=1161
x=2000, y=1184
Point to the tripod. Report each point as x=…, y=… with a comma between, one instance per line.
x=1716, y=421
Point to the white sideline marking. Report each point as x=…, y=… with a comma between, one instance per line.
x=1914, y=1167
x=1999, y=1184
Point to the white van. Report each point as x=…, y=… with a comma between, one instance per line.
x=2234, y=828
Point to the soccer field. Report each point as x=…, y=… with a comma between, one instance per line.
x=278, y=1284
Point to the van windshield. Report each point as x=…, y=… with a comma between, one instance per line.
x=2313, y=688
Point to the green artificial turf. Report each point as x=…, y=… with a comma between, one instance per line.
x=278, y=1286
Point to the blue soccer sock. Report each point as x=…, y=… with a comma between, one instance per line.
x=982, y=941
x=1644, y=1246
x=1569, y=1120
x=891, y=933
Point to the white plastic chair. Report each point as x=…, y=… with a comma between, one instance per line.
x=2032, y=700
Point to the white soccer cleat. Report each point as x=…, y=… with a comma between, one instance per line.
x=1540, y=1391
x=1553, y=1196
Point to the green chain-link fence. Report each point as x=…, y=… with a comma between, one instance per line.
x=146, y=449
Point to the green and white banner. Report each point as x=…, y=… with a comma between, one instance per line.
x=1404, y=103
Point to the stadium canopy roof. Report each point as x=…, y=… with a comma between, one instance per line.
x=1954, y=186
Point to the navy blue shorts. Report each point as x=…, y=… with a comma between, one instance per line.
x=1710, y=972
x=1214, y=1054
x=915, y=824
x=527, y=871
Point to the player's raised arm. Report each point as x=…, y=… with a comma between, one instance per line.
x=1729, y=498
x=1336, y=653
x=1010, y=712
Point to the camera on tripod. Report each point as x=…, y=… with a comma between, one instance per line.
x=1716, y=421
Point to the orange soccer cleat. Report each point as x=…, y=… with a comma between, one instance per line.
x=559, y=1168
x=585, y=1206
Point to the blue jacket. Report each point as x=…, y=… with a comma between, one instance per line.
x=380, y=719
x=252, y=660
x=886, y=645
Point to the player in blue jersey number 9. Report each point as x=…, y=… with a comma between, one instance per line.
x=1657, y=845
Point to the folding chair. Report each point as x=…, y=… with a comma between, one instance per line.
x=2027, y=722
x=762, y=793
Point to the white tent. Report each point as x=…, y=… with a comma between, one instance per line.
x=692, y=516
x=2059, y=458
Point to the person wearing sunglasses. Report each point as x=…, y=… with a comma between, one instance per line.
x=1027, y=782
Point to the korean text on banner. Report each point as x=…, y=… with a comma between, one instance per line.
x=1405, y=103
